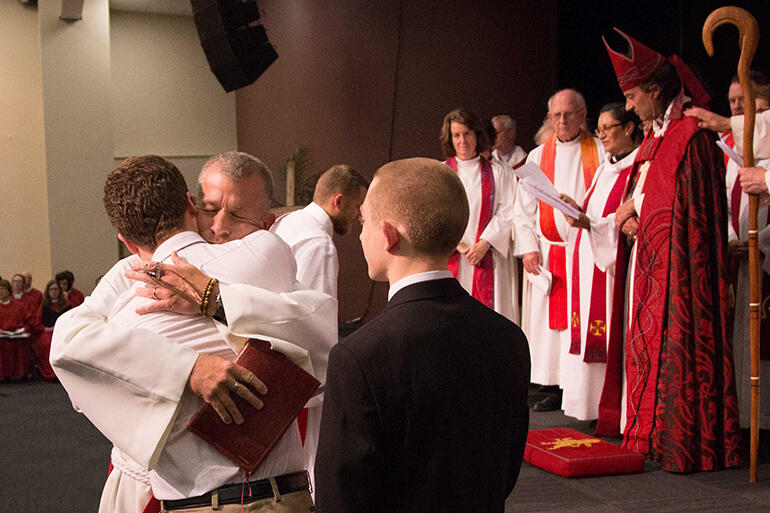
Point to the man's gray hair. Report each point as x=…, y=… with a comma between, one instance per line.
x=577, y=98
x=238, y=166
x=505, y=120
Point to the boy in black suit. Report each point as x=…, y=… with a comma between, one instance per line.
x=425, y=407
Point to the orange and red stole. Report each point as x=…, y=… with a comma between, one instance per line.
x=483, y=273
x=596, y=335
x=557, y=255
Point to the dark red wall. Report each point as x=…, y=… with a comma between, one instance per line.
x=362, y=83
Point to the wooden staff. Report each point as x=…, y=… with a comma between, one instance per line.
x=748, y=30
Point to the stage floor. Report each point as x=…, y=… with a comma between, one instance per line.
x=53, y=460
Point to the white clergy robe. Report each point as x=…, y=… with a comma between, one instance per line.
x=308, y=232
x=515, y=157
x=598, y=247
x=546, y=345
x=497, y=233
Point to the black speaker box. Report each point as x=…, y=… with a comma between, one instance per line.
x=235, y=44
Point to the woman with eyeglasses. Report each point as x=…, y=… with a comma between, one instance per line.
x=54, y=305
x=594, y=256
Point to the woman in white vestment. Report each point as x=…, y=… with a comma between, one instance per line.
x=483, y=263
x=595, y=253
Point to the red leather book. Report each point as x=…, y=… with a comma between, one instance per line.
x=569, y=453
x=288, y=389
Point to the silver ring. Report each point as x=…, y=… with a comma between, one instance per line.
x=235, y=386
x=155, y=295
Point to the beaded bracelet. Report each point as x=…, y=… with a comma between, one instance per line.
x=207, y=295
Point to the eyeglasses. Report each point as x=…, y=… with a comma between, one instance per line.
x=600, y=131
x=566, y=114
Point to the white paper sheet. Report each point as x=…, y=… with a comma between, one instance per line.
x=541, y=281
x=730, y=153
x=534, y=181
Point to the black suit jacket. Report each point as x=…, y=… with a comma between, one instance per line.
x=425, y=408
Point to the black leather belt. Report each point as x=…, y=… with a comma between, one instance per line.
x=231, y=494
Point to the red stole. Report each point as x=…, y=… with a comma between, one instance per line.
x=596, y=336
x=483, y=273
x=735, y=206
x=557, y=254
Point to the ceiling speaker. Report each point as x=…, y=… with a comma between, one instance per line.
x=235, y=44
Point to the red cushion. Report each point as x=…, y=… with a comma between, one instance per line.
x=569, y=453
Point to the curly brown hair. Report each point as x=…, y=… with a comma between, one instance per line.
x=145, y=198
x=469, y=119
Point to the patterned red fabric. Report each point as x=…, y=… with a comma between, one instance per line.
x=483, y=274
x=682, y=406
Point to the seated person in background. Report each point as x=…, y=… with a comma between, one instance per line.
x=17, y=288
x=66, y=282
x=13, y=314
x=33, y=296
x=31, y=311
x=15, y=360
x=54, y=304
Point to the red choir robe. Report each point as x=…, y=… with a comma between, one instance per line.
x=15, y=359
x=33, y=298
x=682, y=405
x=75, y=297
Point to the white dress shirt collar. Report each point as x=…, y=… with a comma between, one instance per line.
x=175, y=243
x=319, y=214
x=417, y=278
